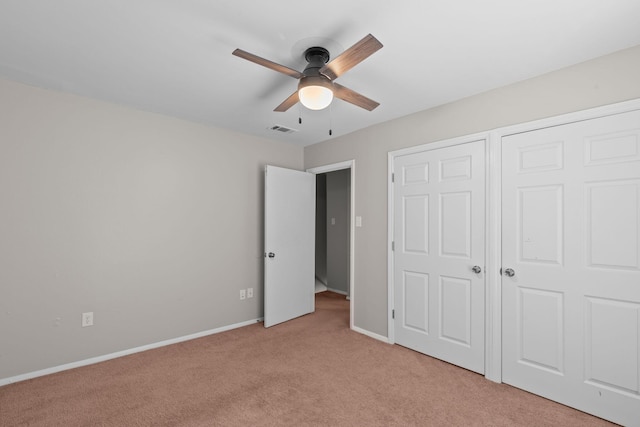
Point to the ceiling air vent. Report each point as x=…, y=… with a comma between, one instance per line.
x=282, y=129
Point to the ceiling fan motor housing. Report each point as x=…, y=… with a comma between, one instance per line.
x=316, y=57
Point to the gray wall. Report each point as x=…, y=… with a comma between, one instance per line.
x=152, y=223
x=338, y=209
x=602, y=81
x=321, y=227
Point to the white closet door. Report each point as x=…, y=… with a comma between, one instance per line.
x=439, y=212
x=571, y=238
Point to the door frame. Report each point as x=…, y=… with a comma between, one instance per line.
x=348, y=164
x=493, y=232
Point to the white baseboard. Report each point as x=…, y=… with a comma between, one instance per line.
x=320, y=288
x=336, y=291
x=98, y=359
x=371, y=334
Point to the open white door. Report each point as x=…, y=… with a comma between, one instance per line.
x=289, y=263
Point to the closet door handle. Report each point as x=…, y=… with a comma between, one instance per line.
x=272, y=255
x=509, y=272
x=476, y=269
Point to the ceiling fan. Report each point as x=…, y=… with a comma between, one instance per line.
x=316, y=87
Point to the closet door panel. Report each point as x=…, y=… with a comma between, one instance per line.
x=571, y=264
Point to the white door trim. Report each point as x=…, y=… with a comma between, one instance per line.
x=348, y=164
x=493, y=325
x=592, y=113
x=493, y=316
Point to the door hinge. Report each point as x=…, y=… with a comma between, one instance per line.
x=393, y=314
x=393, y=246
x=393, y=177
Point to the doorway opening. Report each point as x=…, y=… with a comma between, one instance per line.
x=335, y=230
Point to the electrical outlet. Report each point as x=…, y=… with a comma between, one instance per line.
x=243, y=293
x=87, y=319
x=250, y=293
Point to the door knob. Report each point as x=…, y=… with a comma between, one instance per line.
x=476, y=269
x=509, y=272
x=272, y=255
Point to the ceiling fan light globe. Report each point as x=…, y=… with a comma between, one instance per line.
x=315, y=97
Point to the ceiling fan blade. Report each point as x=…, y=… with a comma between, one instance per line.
x=266, y=63
x=354, y=97
x=351, y=57
x=288, y=103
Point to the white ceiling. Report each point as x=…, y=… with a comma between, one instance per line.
x=174, y=56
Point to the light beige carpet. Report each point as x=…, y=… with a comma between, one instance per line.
x=306, y=372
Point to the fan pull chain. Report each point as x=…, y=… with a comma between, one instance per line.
x=330, y=119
